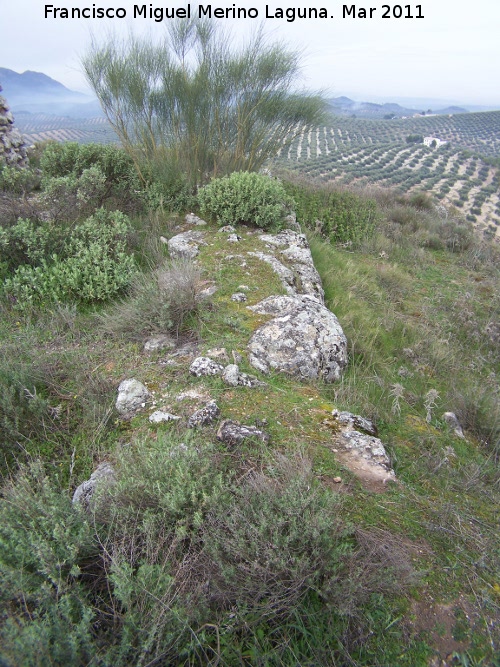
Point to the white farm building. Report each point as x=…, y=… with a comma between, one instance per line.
x=428, y=141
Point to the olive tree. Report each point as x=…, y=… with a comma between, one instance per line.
x=198, y=101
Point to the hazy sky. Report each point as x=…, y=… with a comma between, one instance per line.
x=453, y=53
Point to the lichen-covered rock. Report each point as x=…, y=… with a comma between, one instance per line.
x=304, y=339
x=239, y=297
x=132, y=395
x=297, y=271
x=233, y=433
x=205, y=366
x=185, y=245
x=160, y=416
x=205, y=416
x=369, y=451
x=103, y=474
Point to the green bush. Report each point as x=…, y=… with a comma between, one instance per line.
x=245, y=197
x=93, y=263
x=70, y=158
x=18, y=180
x=96, y=171
x=338, y=214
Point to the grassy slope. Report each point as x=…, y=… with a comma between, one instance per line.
x=414, y=318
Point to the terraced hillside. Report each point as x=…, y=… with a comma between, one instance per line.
x=461, y=172
x=42, y=127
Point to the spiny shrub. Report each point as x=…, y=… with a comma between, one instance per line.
x=68, y=197
x=245, y=197
x=92, y=263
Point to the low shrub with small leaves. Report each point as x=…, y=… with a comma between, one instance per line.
x=246, y=197
x=92, y=264
x=18, y=180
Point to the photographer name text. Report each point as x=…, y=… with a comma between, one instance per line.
x=289, y=14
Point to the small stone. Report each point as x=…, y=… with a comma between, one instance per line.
x=337, y=480
x=159, y=416
x=233, y=433
x=161, y=342
x=132, y=395
x=204, y=416
x=231, y=375
x=227, y=229
x=104, y=473
x=243, y=288
x=452, y=420
x=233, y=238
x=239, y=297
x=205, y=366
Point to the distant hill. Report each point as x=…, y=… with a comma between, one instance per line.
x=344, y=106
x=36, y=92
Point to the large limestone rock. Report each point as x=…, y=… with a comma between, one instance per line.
x=303, y=339
x=13, y=150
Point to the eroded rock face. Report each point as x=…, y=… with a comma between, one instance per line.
x=304, y=339
x=132, y=396
x=103, y=474
x=185, y=245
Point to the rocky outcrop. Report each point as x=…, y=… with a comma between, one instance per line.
x=304, y=339
x=13, y=150
x=294, y=264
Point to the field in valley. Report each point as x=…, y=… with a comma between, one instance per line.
x=463, y=172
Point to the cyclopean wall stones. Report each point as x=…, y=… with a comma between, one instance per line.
x=13, y=150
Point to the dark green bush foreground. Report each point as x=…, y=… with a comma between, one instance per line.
x=178, y=562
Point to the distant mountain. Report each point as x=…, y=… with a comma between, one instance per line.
x=344, y=106
x=38, y=93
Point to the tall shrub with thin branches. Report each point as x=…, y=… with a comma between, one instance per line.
x=198, y=100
